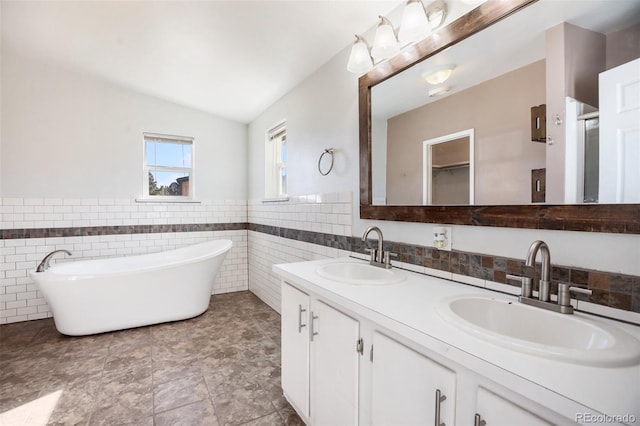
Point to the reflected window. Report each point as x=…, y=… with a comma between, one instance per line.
x=168, y=166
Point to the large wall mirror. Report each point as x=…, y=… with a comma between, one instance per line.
x=549, y=92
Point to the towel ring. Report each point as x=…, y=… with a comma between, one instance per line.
x=329, y=151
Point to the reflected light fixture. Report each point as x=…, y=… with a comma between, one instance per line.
x=414, y=25
x=359, y=60
x=385, y=43
x=438, y=75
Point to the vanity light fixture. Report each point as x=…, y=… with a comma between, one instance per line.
x=414, y=25
x=417, y=23
x=359, y=60
x=438, y=91
x=439, y=74
x=385, y=43
x=436, y=12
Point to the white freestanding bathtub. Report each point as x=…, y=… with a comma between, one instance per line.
x=95, y=296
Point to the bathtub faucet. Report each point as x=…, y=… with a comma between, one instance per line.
x=44, y=265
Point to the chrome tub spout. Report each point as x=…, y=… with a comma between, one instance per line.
x=44, y=265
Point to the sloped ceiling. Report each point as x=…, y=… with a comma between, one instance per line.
x=229, y=58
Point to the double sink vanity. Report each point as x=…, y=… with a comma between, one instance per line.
x=370, y=345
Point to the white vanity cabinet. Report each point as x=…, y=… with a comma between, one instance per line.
x=367, y=355
x=320, y=360
x=407, y=388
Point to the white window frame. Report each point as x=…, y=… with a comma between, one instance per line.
x=186, y=140
x=274, y=139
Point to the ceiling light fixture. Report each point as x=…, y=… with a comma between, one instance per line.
x=385, y=43
x=359, y=59
x=417, y=23
x=438, y=75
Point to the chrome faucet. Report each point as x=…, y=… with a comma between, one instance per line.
x=378, y=256
x=44, y=265
x=543, y=301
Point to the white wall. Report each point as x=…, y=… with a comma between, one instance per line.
x=72, y=135
x=323, y=111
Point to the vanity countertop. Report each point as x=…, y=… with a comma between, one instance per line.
x=410, y=308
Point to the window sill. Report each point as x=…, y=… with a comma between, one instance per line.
x=275, y=200
x=166, y=200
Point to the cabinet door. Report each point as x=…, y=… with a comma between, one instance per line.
x=335, y=367
x=494, y=410
x=404, y=385
x=295, y=347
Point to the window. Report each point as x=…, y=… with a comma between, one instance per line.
x=276, y=162
x=168, y=166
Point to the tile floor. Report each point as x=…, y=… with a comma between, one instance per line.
x=221, y=368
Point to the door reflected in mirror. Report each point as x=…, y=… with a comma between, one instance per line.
x=447, y=176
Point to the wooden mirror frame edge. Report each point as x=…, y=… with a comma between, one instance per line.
x=612, y=218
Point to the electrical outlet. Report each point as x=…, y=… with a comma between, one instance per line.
x=442, y=237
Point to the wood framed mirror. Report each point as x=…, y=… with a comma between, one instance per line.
x=592, y=217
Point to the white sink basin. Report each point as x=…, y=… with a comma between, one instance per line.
x=360, y=273
x=541, y=332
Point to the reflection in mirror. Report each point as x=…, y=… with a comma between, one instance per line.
x=447, y=175
x=567, y=56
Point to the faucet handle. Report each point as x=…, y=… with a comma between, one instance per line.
x=525, y=282
x=387, y=258
x=565, y=290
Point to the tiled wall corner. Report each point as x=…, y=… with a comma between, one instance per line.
x=322, y=213
x=267, y=250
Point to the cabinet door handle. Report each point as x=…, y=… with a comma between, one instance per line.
x=477, y=420
x=313, y=332
x=439, y=399
x=300, y=324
